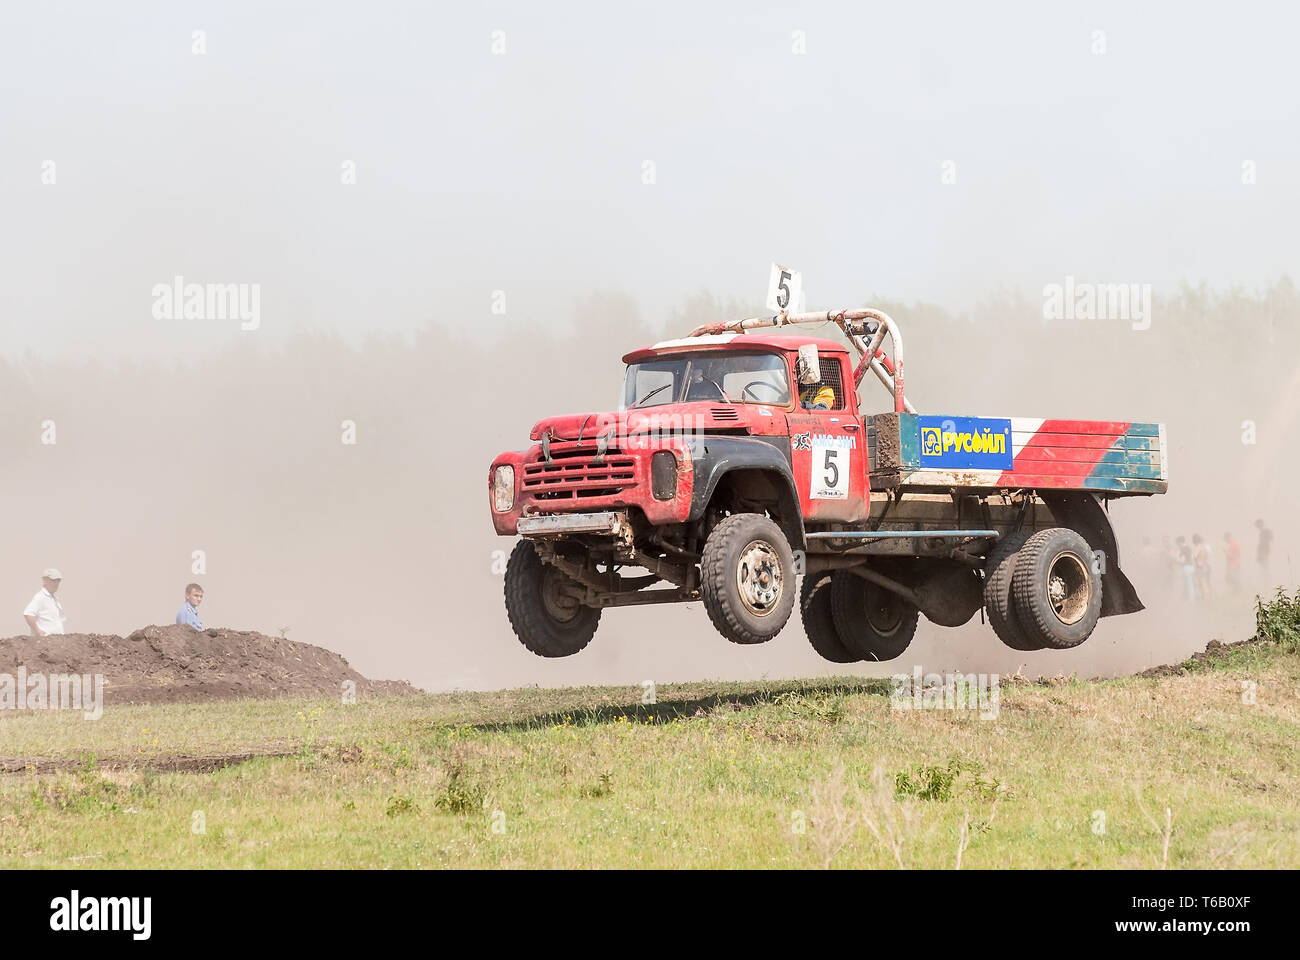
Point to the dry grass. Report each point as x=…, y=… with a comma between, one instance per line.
x=1176, y=772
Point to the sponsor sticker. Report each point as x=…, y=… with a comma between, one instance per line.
x=969, y=443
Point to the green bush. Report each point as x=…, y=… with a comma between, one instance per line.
x=399, y=805
x=927, y=782
x=460, y=794
x=1279, y=619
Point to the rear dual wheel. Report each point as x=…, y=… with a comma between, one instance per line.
x=872, y=623
x=819, y=621
x=999, y=567
x=1057, y=588
x=1042, y=591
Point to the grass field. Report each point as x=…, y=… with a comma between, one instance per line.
x=1192, y=770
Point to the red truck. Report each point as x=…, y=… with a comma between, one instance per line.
x=738, y=461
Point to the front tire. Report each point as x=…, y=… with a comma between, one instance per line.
x=545, y=616
x=747, y=578
x=1057, y=592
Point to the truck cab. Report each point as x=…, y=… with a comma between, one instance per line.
x=808, y=410
x=718, y=404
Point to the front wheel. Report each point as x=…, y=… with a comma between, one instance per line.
x=747, y=578
x=546, y=616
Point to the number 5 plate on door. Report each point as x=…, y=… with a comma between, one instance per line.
x=831, y=466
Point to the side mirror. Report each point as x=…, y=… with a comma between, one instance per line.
x=808, y=366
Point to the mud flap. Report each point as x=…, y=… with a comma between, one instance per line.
x=1084, y=513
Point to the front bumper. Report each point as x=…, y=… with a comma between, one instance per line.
x=606, y=523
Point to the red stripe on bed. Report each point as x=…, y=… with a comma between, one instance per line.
x=1075, y=461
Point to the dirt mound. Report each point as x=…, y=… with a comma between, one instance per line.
x=1214, y=650
x=174, y=664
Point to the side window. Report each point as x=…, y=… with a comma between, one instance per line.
x=832, y=376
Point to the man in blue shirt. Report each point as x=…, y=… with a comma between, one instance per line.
x=189, y=615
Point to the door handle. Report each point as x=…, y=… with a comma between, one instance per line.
x=850, y=427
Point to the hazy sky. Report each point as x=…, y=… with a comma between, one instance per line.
x=128, y=159
x=523, y=171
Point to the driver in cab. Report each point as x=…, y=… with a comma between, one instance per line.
x=704, y=383
x=813, y=394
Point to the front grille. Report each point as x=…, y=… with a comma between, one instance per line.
x=572, y=475
x=725, y=413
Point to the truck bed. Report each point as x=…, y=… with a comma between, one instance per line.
x=1118, y=458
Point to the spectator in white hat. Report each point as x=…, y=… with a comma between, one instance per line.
x=45, y=614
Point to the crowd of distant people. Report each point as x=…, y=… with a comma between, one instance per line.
x=45, y=616
x=1188, y=564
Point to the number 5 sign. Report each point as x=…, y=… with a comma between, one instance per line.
x=785, y=290
x=832, y=461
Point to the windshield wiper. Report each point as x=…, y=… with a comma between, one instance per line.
x=649, y=395
x=720, y=390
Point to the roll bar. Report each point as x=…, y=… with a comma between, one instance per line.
x=853, y=323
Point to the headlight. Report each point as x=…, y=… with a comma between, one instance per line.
x=663, y=475
x=503, y=488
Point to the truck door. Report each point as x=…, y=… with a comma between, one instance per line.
x=828, y=449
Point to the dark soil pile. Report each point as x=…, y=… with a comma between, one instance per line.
x=178, y=664
x=1214, y=650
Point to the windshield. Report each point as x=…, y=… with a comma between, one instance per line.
x=719, y=377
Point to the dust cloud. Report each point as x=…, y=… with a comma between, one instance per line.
x=381, y=178
x=383, y=549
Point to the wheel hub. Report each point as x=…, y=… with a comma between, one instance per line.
x=884, y=611
x=758, y=577
x=560, y=604
x=1069, y=588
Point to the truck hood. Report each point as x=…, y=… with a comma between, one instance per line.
x=691, y=417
